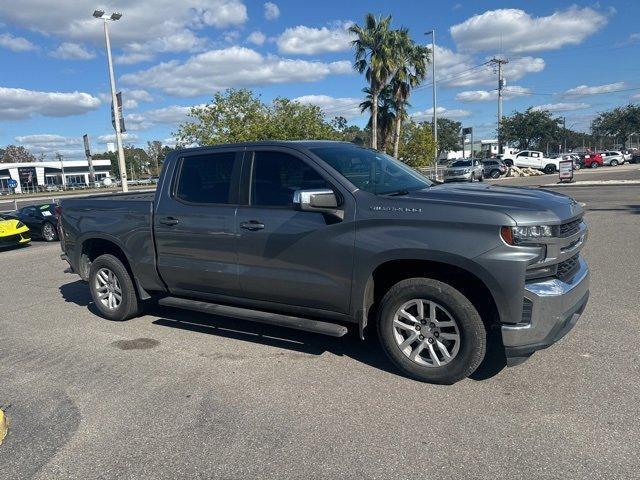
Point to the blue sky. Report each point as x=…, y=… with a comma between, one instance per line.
x=575, y=59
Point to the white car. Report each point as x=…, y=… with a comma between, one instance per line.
x=612, y=158
x=532, y=159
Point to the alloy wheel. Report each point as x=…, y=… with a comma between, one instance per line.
x=108, y=289
x=426, y=332
x=48, y=232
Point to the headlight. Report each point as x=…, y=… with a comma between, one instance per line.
x=520, y=235
x=20, y=225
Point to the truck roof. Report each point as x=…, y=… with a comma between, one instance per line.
x=271, y=143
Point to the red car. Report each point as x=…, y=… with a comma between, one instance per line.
x=592, y=160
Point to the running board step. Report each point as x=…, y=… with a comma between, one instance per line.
x=299, y=323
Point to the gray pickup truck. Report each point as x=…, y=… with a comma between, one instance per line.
x=322, y=236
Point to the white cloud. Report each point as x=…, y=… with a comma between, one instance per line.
x=72, y=51
x=16, y=44
x=257, y=38
x=49, y=144
x=582, y=90
x=310, y=41
x=516, y=31
x=170, y=24
x=271, y=11
x=230, y=67
x=173, y=114
x=18, y=103
x=332, y=107
x=442, y=113
x=562, y=106
x=635, y=97
x=138, y=95
x=490, y=95
x=111, y=137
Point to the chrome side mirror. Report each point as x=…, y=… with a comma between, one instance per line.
x=318, y=200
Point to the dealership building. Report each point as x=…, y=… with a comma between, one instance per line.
x=32, y=175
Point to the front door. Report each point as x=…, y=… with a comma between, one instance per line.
x=195, y=225
x=288, y=256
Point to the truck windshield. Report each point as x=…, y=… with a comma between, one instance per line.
x=372, y=171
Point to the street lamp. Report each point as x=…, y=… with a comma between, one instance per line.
x=100, y=14
x=435, y=106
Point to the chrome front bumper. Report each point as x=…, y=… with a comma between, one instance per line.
x=556, y=306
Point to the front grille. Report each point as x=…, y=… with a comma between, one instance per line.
x=567, y=268
x=569, y=228
x=10, y=240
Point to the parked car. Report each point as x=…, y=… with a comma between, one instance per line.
x=464, y=171
x=41, y=220
x=493, y=168
x=13, y=232
x=324, y=236
x=635, y=157
x=612, y=158
x=532, y=159
x=574, y=157
x=591, y=160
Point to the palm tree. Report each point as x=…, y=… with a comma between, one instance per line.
x=376, y=57
x=385, y=114
x=410, y=72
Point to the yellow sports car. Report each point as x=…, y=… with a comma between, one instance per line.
x=13, y=232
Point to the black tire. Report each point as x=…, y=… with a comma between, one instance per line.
x=614, y=163
x=595, y=165
x=473, y=334
x=495, y=174
x=508, y=163
x=129, y=306
x=48, y=232
x=549, y=169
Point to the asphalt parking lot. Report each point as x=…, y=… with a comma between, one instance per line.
x=179, y=394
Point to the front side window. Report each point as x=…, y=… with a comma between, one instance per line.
x=277, y=175
x=206, y=178
x=372, y=171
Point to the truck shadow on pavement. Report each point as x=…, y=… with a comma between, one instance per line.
x=368, y=351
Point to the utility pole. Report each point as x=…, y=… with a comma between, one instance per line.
x=564, y=132
x=114, y=101
x=499, y=62
x=435, y=103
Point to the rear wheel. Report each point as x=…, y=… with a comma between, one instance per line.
x=431, y=331
x=614, y=163
x=495, y=174
x=112, y=288
x=48, y=232
x=594, y=165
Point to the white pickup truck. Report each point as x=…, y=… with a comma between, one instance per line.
x=532, y=159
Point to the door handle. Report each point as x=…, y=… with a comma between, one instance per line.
x=169, y=221
x=252, y=225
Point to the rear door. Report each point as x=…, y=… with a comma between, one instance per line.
x=195, y=224
x=288, y=256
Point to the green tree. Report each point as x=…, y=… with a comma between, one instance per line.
x=385, y=114
x=240, y=116
x=411, y=71
x=618, y=123
x=530, y=129
x=449, y=132
x=416, y=145
x=16, y=154
x=376, y=57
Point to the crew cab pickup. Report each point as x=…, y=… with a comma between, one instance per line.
x=532, y=159
x=328, y=236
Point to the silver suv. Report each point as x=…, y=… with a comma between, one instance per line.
x=612, y=158
x=464, y=170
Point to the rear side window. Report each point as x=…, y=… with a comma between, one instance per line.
x=206, y=178
x=276, y=176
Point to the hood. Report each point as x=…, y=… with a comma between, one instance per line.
x=527, y=206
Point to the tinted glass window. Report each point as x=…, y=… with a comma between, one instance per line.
x=276, y=176
x=461, y=163
x=206, y=178
x=371, y=171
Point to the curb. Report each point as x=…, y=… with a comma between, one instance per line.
x=590, y=183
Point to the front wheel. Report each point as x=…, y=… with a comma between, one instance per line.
x=481, y=179
x=594, y=165
x=495, y=173
x=614, y=163
x=431, y=331
x=112, y=288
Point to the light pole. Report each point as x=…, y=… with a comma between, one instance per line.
x=114, y=101
x=435, y=106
